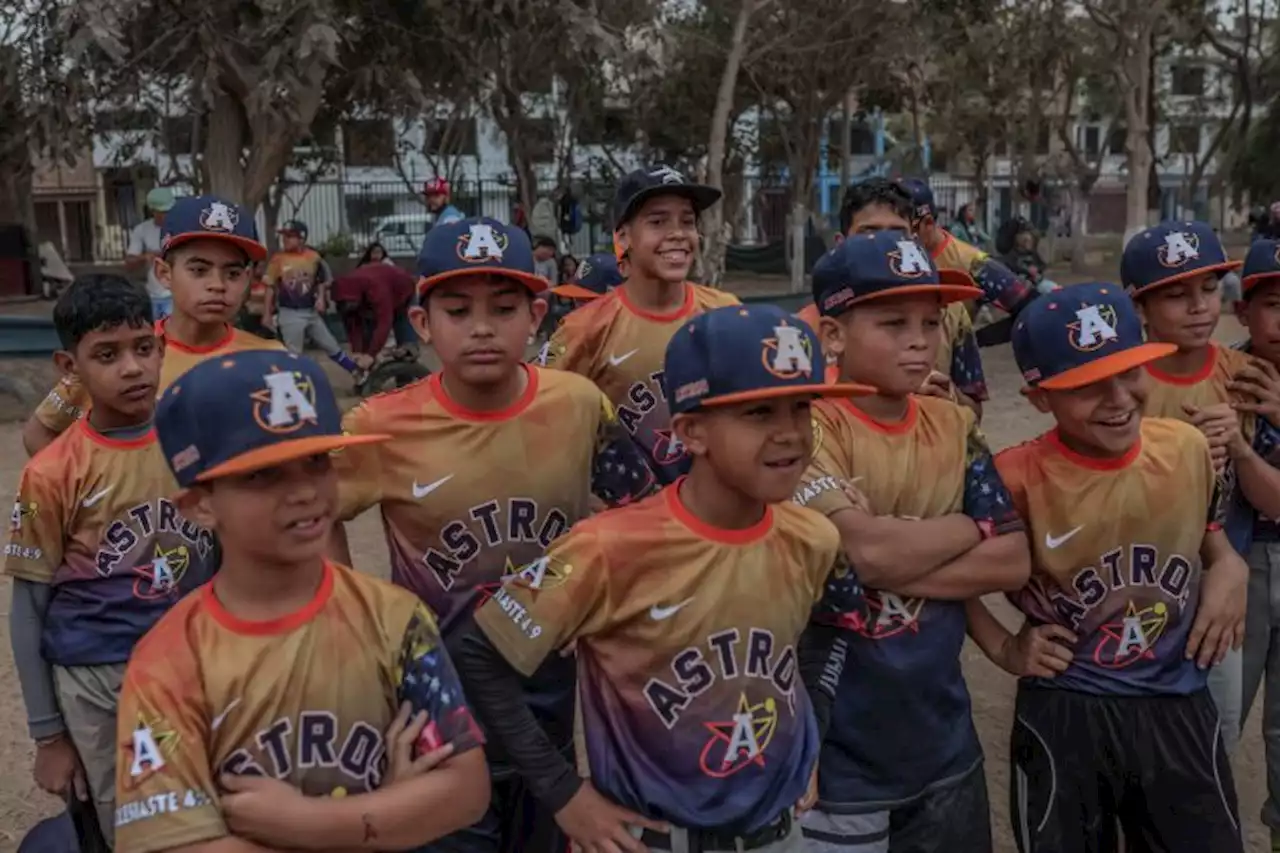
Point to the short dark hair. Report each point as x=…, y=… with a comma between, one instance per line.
x=539, y=242
x=881, y=191
x=99, y=301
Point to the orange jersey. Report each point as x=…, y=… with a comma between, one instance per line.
x=621, y=348
x=69, y=400
x=692, y=709
x=455, y=528
x=956, y=254
x=1115, y=554
x=296, y=277
x=95, y=520
x=1168, y=393
x=305, y=699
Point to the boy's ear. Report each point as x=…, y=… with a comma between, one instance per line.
x=1241, y=307
x=66, y=364
x=418, y=319
x=195, y=506
x=1038, y=399
x=690, y=429
x=831, y=334
x=163, y=271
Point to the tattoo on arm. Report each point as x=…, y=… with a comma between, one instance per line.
x=370, y=831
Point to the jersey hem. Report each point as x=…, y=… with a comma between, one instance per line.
x=884, y=805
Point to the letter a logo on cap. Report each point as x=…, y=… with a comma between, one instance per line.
x=286, y=403
x=790, y=353
x=909, y=261
x=219, y=216
x=1095, y=326
x=481, y=244
x=1179, y=247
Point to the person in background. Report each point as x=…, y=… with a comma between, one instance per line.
x=373, y=300
x=968, y=229
x=144, y=248
x=376, y=253
x=568, y=269
x=544, y=259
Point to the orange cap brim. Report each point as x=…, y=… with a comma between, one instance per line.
x=1106, y=367
x=836, y=389
x=1226, y=266
x=255, y=250
x=1249, y=282
x=575, y=291
x=285, y=451
x=536, y=283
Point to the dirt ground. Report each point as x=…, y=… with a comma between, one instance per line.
x=1008, y=420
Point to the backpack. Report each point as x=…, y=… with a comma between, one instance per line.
x=570, y=215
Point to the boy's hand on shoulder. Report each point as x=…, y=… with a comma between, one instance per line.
x=58, y=769
x=269, y=811
x=598, y=826
x=1041, y=651
x=403, y=740
x=1220, y=423
x=1260, y=380
x=1219, y=625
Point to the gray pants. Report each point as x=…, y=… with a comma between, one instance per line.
x=89, y=696
x=1225, y=686
x=1262, y=659
x=297, y=325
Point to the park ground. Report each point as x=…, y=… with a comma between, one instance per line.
x=1008, y=420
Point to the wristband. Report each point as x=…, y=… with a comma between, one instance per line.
x=986, y=529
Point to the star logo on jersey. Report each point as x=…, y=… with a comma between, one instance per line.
x=788, y=354
x=1094, y=328
x=481, y=244
x=152, y=746
x=286, y=404
x=741, y=741
x=160, y=578
x=542, y=574
x=668, y=449
x=1178, y=248
x=219, y=216
x=1133, y=637
x=21, y=510
x=889, y=615
x=908, y=260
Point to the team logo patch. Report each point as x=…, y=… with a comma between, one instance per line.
x=21, y=510
x=1094, y=328
x=909, y=260
x=667, y=175
x=220, y=217
x=152, y=747
x=889, y=615
x=542, y=574
x=668, y=449
x=1133, y=637
x=740, y=742
x=584, y=270
x=1179, y=247
x=161, y=577
x=788, y=354
x=286, y=404
x=481, y=244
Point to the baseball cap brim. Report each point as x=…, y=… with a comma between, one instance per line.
x=1223, y=267
x=255, y=250
x=1106, y=367
x=837, y=389
x=162, y=206
x=285, y=451
x=535, y=283
x=1249, y=282
x=701, y=195
x=953, y=286
x=575, y=291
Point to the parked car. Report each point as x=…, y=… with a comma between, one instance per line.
x=402, y=233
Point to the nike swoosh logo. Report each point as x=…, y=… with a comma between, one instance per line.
x=221, y=718
x=660, y=614
x=421, y=492
x=1052, y=542
x=615, y=360
x=96, y=496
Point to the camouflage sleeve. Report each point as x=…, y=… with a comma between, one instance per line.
x=1000, y=286
x=985, y=496
x=967, y=374
x=429, y=682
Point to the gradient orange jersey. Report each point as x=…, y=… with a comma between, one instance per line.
x=692, y=708
x=95, y=520
x=1115, y=548
x=468, y=497
x=1168, y=393
x=902, y=691
x=296, y=277
x=621, y=348
x=305, y=699
x=69, y=400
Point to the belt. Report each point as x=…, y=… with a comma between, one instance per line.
x=708, y=840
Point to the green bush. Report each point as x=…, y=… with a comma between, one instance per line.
x=337, y=246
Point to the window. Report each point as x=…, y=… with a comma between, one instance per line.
x=1187, y=79
x=451, y=137
x=1184, y=139
x=369, y=142
x=122, y=121
x=1042, y=138
x=1091, y=140
x=322, y=137
x=179, y=134
x=862, y=141
x=1116, y=142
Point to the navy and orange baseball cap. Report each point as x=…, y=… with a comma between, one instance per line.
x=477, y=245
x=596, y=276
x=740, y=353
x=921, y=193
x=1080, y=335
x=879, y=264
x=1261, y=264
x=639, y=186
x=249, y=410
x=1171, y=252
x=207, y=217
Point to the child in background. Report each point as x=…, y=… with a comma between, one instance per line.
x=208, y=248
x=97, y=549
x=544, y=260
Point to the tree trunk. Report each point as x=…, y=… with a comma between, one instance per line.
x=846, y=138
x=224, y=145
x=1079, y=225
x=1137, y=143
x=714, y=220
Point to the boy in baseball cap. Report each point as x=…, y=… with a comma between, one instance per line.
x=207, y=250
x=1135, y=590
x=489, y=460
x=258, y=705
x=618, y=340
x=937, y=529
x=697, y=732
